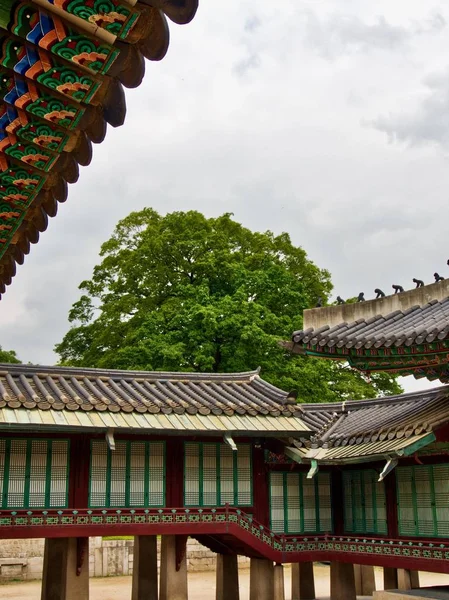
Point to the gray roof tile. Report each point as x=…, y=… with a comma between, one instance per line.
x=372, y=420
x=415, y=325
x=75, y=389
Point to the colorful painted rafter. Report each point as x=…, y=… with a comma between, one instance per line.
x=63, y=67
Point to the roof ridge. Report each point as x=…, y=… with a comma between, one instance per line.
x=398, y=398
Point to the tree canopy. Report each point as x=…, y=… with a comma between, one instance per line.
x=187, y=293
x=8, y=356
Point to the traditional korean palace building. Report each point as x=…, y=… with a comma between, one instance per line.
x=393, y=452
x=230, y=460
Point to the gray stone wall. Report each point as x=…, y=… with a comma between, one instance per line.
x=23, y=559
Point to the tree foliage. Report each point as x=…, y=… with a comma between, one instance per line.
x=8, y=356
x=187, y=293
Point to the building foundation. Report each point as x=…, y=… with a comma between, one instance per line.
x=365, y=583
x=66, y=569
x=173, y=575
x=303, y=581
x=227, y=587
x=342, y=581
x=261, y=580
x=144, y=586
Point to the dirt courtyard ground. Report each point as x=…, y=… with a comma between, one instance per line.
x=201, y=586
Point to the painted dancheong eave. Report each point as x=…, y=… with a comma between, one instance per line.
x=64, y=66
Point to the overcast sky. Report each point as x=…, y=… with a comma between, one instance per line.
x=328, y=119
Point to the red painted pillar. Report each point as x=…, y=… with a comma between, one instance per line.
x=174, y=457
x=79, y=472
x=260, y=487
x=337, y=501
x=392, y=509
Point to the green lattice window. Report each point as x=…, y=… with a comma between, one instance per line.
x=423, y=500
x=365, y=504
x=214, y=475
x=300, y=505
x=132, y=475
x=34, y=473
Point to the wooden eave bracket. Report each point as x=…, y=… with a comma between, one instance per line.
x=230, y=442
x=313, y=469
x=110, y=439
x=294, y=454
x=391, y=464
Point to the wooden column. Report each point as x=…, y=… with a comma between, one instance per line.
x=261, y=580
x=174, y=457
x=279, y=586
x=390, y=578
x=79, y=472
x=144, y=586
x=337, y=501
x=365, y=583
x=227, y=587
x=261, y=488
x=407, y=580
x=303, y=582
x=391, y=501
x=342, y=581
x=400, y=579
x=173, y=568
x=66, y=569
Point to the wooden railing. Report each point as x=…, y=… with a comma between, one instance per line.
x=229, y=521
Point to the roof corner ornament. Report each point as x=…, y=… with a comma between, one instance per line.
x=398, y=289
x=230, y=442
x=313, y=469
x=110, y=439
x=391, y=464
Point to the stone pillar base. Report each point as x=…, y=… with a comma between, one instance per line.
x=144, y=585
x=261, y=580
x=227, y=577
x=400, y=579
x=66, y=569
x=279, y=587
x=365, y=583
x=303, y=581
x=390, y=578
x=342, y=581
x=407, y=580
x=173, y=568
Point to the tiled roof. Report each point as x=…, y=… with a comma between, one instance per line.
x=416, y=325
x=373, y=427
x=189, y=401
x=64, y=67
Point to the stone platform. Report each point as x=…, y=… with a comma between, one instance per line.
x=431, y=593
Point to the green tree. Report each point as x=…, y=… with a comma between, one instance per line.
x=187, y=293
x=8, y=356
